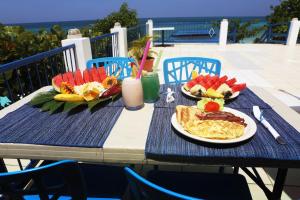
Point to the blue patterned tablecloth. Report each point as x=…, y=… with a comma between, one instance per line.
x=29, y=125
x=164, y=143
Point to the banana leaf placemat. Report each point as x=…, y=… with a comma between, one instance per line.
x=77, y=128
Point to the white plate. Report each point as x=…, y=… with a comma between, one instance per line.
x=250, y=129
x=193, y=96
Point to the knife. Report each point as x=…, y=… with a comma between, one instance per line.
x=258, y=115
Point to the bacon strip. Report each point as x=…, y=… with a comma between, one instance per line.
x=221, y=115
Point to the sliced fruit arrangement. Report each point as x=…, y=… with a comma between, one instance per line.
x=213, y=86
x=90, y=85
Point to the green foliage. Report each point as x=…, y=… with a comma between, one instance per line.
x=284, y=13
x=138, y=47
x=127, y=18
x=244, y=29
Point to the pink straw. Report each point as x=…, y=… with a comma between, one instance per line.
x=143, y=59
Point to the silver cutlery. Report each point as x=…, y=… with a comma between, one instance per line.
x=259, y=116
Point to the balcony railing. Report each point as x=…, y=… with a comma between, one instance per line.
x=276, y=33
x=22, y=77
x=135, y=32
x=105, y=45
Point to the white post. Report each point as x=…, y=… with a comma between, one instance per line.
x=293, y=32
x=122, y=40
x=149, y=25
x=82, y=49
x=223, y=32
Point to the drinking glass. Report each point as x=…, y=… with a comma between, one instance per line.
x=132, y=92
x=150, y=84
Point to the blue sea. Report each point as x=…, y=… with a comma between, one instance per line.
x=34, y=27
x=185, y=23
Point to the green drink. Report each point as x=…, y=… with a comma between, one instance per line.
x=150, y=84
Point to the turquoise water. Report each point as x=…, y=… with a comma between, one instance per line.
x=166, y=21
x=180, y=24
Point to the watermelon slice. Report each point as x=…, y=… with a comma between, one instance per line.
x=94, y=74
x=56, y=82
x=86, y=76
x=65, y=77
x=102, y=73
x=238, y=87
x=216, y=85
x=199, y=78
x=231, y=82
x=70, y=78
x=191, y=83
x=78, y=77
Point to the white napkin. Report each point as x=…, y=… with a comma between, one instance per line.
x=258, y=115
x=170, y=97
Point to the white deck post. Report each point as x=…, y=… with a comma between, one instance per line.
x=223, y=32
x=293, y=32
x=149, y=29
x=121, y=40
x=82, y=49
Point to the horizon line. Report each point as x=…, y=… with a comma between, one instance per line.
x=258, y=16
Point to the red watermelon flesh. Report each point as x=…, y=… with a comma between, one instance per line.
x=56, y=82
x=78, y=77
x=70, y=78
x=65, y=77
x=238, y=87
x=95, y=75
x=102, y=73
x=86, y=76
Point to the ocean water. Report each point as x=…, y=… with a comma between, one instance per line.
x=181, y=25
x=166, y=21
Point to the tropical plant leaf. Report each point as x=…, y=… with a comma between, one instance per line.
x=46, y=106
x=71, y=105
x=55, y=106
x=42, y=98
x=92, y=104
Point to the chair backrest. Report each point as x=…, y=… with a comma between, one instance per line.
x=113, y=64
x=71, y=181
x=179, y=70
x=141, y=188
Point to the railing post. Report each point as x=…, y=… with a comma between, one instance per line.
x=293, y=32
x=149, y=30
x=122, y=39
x=83, y=51
x=223, y=32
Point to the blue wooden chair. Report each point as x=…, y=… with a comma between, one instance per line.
x=179, y=70
x=187, y=185
x=113, y=64
x=64, y=180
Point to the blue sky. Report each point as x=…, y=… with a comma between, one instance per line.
x=22, y=11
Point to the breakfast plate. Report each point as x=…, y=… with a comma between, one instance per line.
x=249, y=130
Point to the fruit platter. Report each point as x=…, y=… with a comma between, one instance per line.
x=212, y=86
x=70, y=90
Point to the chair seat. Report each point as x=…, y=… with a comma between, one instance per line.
x=36, y=197
x=203, y=185
x=102, y=182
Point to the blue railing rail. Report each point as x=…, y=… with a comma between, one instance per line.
x=276, y=33
x=22, y=77
x=189, y=32
x=105, y=45
x=135, y=32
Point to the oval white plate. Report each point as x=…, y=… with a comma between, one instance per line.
x=250, y=129
x=234, y=95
